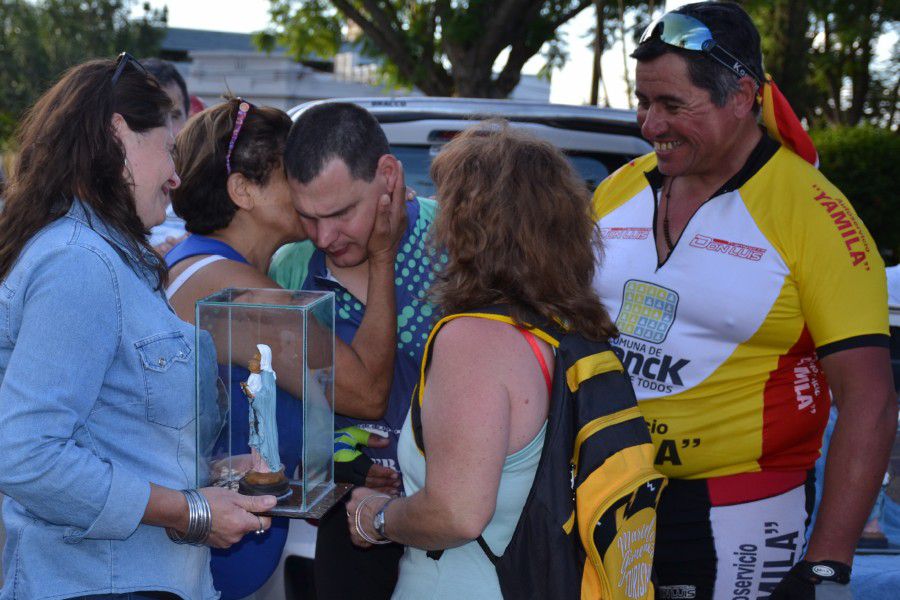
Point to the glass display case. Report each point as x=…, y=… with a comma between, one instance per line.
x=265, y=416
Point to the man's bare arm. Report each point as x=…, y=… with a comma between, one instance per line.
x=863, y=388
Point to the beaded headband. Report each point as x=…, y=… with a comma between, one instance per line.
x=243, y=109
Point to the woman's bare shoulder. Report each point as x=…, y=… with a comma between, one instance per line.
x=474, y=339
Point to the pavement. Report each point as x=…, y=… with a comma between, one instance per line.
x=876, y=577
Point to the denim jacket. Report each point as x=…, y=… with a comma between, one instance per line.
x=96, y=402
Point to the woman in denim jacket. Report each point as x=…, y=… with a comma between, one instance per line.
x=96, y=399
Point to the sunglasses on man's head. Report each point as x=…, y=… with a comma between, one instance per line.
x=121, y=62
x=688, y=33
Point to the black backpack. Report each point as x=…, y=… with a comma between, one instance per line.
x=588, y=527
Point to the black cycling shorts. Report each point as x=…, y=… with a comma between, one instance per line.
x=731, y=538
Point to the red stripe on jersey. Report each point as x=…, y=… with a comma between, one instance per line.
x=748, y=487
x=796, y=402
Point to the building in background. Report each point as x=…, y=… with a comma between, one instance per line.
x=215, y=62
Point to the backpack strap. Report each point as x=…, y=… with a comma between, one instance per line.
x=549, y=333
x=495, y=313
x=529, y=337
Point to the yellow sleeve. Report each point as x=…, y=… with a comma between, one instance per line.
x=832, y=258
x=622, y=185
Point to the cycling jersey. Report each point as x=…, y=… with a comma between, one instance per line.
x=722, y=339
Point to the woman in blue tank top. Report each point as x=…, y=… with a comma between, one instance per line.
x=514, y=221
x=236, y=204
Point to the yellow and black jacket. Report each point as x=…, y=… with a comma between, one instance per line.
x=588, y=527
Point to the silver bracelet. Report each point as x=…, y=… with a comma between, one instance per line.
x=359, y=529
x=199, y=520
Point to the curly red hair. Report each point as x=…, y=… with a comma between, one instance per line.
x=516, y=225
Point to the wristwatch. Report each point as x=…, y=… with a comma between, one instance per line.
x=378, y=521
x=825, y=570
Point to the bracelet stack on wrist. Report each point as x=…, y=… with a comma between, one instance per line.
x=359, y=528
x=199, y=520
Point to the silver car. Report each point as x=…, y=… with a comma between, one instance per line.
x=596, y=140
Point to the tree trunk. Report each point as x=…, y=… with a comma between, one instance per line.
x=475, y=81
x=893, y=97
x=788, y=58
x=860, y=76
x=522, y=26
x=834, y=113
x=628, y=88
x=599, y=46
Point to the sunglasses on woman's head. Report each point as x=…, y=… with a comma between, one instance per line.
x=121, y=62
x=682, y=31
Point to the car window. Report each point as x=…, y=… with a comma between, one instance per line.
x=416, y=165
x=593, y=167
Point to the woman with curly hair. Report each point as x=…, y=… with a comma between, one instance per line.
x=515, y=223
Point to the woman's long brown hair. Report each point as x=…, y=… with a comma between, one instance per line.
x=68, y=149
x=515, y=222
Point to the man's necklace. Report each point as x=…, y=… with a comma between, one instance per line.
x=666, y=233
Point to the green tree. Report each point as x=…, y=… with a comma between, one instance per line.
x=600, y=33
x=39, y=40
x=860, y=161
x=616, y=21
x=443, y=47
x=821, y=54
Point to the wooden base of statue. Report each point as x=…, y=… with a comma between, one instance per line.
x=274, y=483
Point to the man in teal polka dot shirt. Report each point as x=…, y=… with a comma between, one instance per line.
x=339, y=164
x=302, y=266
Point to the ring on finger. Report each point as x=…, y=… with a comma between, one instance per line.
x=261, y=529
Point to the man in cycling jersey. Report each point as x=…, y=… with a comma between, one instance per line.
x=745, y=288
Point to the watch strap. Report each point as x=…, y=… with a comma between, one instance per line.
x=816, y=572
x=378, y=521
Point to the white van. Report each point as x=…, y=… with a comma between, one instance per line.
x=596, y=140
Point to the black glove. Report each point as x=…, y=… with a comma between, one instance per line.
x=823, y=580
x=354, y=471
